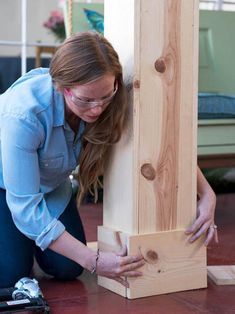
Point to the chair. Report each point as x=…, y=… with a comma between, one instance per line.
x=43, y=49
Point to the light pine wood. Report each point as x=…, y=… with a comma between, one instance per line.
x=150, y=183
x=187, y=161
x=222, y=275
x=163, y=129
x=172, y=263
x=120, y=197
x=111, y=241
x=167, y=109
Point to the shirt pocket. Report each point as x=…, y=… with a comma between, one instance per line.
x=52, y=164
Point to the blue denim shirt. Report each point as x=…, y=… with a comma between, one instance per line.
x=38, y=151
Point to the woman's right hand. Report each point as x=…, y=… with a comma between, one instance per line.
x=118, y=265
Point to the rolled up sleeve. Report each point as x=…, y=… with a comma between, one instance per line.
x=20, y=139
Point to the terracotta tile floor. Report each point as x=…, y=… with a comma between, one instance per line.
x=85, y=296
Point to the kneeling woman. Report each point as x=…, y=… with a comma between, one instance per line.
x=52, y=120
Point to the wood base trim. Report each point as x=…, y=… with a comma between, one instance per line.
x=222, y=275
x=172, y=264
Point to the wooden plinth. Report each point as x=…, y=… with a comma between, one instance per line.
x=172, y=263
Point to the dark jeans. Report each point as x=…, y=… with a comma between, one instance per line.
x=17, y=251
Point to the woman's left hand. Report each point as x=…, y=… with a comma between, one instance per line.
x=204, y=224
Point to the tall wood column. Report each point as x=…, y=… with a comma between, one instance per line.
x=150, y=183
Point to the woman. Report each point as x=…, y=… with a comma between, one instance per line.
x=51, y=121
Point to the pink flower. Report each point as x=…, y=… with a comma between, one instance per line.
x=55, y=23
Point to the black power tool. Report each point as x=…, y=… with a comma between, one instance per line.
x=24, y=296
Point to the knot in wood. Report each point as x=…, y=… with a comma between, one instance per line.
x=152, y=256
x=136, y=84
x=148, y=172
x=160, y=65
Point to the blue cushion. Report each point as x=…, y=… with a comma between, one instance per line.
x=216, y=106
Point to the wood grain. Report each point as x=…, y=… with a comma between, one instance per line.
x=172, y=263
x=162, y=130
x=150, y=182
x=222, y=275
x=169, y=267
x=111, y=241
x=167, y=163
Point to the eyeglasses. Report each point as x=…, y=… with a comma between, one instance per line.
x=87, y=104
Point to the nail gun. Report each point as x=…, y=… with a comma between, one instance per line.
x=24, y=296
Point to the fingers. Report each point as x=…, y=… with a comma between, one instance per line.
x=130, y=259
x=123, y=251
x=205, y=228
x=210, y=236
x=132, y=274
x=195, y=226
x=128, y=265
x=126, y=274
x=132, y=266
x=216, y=235
x=202, y=230
x=129, y=271
x=114, y=266
x=122, y=281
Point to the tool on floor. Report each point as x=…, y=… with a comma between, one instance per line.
x=24, y=296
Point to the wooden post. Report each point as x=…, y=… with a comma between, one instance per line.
x=150, y=183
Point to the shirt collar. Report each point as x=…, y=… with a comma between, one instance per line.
x=58, y=108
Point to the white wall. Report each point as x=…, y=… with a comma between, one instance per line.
x=10, y=23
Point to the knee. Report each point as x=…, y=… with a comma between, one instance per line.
x=59, y=267
x=13, y=268
x=70, y=273
x=9, y=279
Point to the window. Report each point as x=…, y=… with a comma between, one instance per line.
x=226, y=5
x=25, y=30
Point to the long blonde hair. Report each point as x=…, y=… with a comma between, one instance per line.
x=82, y=58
